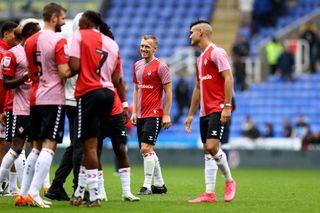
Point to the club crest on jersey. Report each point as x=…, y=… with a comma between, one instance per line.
x=149, y=73
x=205, y=62
x=6, y=61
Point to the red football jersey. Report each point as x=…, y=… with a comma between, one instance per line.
x=99, y=56
x=210, y=64
x=150, y=77
x=3, y=47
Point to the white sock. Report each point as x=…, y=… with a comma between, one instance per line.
x=222, y=162
x=19, y=163
x=101, y=183
x=125, y=181
x=46, y=182
x=149, y=164
x=158, y=180
x=81, y=183
x=92, y=181
x=6, y=164
x=29, y=171
x=210, y=171
x=42, y=168
x=13, y=182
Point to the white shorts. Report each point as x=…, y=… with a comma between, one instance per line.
x=2, y=131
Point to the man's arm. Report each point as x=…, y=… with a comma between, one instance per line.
x=135, y=105
x=64, y=71
x=9, y=82
x=74, y=64
x=119, y=85
x=195, y=100
x=166, y=121
x=228, y=92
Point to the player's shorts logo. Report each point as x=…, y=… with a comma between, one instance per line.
x=21, y=129
x=214, y=133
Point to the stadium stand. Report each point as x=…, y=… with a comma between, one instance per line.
x=295, y=12
x=274, y=100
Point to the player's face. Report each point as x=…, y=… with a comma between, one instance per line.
x=61, y=20
x=147, y=48
x=194, y=36
x=10, y=38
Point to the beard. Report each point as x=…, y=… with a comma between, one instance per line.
x=58, y=27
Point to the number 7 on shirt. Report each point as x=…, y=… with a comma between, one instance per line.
x=103, y=59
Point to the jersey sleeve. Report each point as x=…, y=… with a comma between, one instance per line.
x=75, y=44
x=134, y=74
x=118, y=68
x=164, y=73
x=8, y=64
x=221, y=59
x=62, y=56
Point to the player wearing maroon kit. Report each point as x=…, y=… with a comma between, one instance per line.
x=213, y=90
x=47, y=56
x=95, y=55
x=151, y=77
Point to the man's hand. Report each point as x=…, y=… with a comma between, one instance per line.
x=126, y=115
x=3, y=118
x=166, y=121
x=187, y=124
x=134, y=118
x=225, y=115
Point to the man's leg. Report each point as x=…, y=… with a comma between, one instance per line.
x=56, y=191
x=42, y=168
x=159, y=187
x=221, y=159
x=124, y=170
x=8, y=162
x=149, y=165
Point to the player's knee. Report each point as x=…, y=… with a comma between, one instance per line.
x=212, y=147
x=17, y=149
x=144, y=150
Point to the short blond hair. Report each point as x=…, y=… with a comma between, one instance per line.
x=154, y=38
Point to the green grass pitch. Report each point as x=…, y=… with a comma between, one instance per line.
x=258, y=191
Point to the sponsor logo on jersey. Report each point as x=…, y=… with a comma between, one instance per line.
x=206, y=77
x=143, y=86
